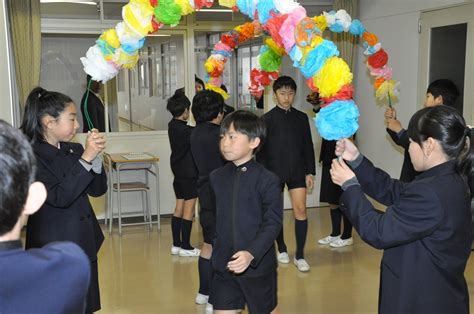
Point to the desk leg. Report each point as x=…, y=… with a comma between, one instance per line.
x=119, y=201
x=157, y=178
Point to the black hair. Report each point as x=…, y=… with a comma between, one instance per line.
x=178, y=103
x=448, y=127
x=284, y=81
x=199, y=81
x=17, y=173
x=207, y=105
x=247, y=123
x=446, y=89
x=41, y=103
x=224, y=88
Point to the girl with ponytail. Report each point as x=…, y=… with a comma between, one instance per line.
x=70, y=173
x=425, y=231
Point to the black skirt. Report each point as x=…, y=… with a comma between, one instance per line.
x=330, y=192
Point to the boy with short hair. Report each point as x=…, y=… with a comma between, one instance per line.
x=249, y=217
x=289, y=152
x=208, y=111
x=185, y=175
x=439, y=92
x=52, y=279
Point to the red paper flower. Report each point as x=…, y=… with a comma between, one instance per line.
x=154, y=3
x=273, y=28
x=310, y=84
x=378, y=59
x=345, y=93
x=228, y=39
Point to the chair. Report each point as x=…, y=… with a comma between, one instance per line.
x=116, y=186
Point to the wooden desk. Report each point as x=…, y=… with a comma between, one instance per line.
x=117, y=163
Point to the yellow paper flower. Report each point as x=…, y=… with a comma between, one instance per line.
x=320, y=22
x=387, y=87
x=185, y=6
x=228, y=3
x=125, y=60
x=273, y=46
x=217, y=90
x=111, y=38
x=334, y=74
x=137, y=14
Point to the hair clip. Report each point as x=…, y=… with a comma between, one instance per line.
x=39, y=95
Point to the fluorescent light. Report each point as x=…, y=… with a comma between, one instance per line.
x=215, y=10
x=159, y=35
x=69, y=1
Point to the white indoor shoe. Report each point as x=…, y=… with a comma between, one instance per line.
x=341, y=243
x=328, y=240
x=301, y=264
x=189, y=253
x=283, y=258
x=175, y=250
x=201, y=298
x=209, y=308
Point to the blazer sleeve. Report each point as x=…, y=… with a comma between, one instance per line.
x=378, y=184
x=416, y=215
x=98, y=185
x=308, y=150
x=272, y=206
x=402, y=140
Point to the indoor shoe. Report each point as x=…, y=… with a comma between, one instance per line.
x=209, y=308
x=201, y=298
x=175, y=250
x=189, y=253
x=342, y=243
x=328, y=240
x=283, y=258
x=301, y=264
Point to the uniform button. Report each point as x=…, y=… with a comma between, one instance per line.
x=244, y=169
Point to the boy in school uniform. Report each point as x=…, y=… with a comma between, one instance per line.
x=52, y=279
x=185, y=175
x=208, y=111
x=289, y=153
x=249, y=211
x=439, y=92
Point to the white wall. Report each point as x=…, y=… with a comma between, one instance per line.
x=6, y=110
x=396, y=25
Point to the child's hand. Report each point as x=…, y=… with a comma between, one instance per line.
x=340, y=172
x=346, y=149
x=95, y=144
x=240, y=262
x=393, y=125
x=309, y=182
x=390, y=113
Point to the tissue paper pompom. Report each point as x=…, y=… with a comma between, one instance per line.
x=269, y=60
x=217, y=90
x=214, y=67
x=124, y=59
x=378, y=82
x=286, y=6
x=126, y=35
x=230, y=39
x=273, y=46
x=321, y=22
x=339, y=120
x=305, y=31
x=168, y=12
x=378, y=59
x=185, y=6
x=310, y=83
x=228, y=3
x=215, y=81
x=273, y=28
x=137, y=15
x=345, y=93
x=245, y=32
x=287, y=30
x=316, y=58
x=221, y=46
x=264, y=8
x=357, y=29
x=247, y=7
x=370, y=38
x=387, y=87
x=385, y=72
x=334, y=74
x=330, y=17
x=370, y=50
x=132, y=46
x=153, y=3
x=97, y=67
x=343, y=19
x=111, y=38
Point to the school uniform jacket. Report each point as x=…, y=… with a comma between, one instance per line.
x=425, y=233
x=50, y=280
x=248, y=216
x=67, y=214
x=207, y=157
x=96, y=111
x=288, y=149
x=408, y=173
x=181, y=160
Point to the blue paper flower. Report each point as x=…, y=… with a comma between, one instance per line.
x=338, y=120
x=316, y=58
x=246, y=7
x=296, y=55
x=105, y=47
x=264, y=7
x=336, y=27
x=224, y=53
x=130, y=48
x=357, y=29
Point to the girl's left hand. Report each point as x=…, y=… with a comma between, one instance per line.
x=340, y=172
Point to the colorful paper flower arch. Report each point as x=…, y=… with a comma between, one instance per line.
x=290, y=33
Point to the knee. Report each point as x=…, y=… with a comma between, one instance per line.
x=300, y=212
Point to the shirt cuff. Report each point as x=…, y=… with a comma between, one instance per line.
x=97, y=164
x=356, y=162
x=87, y=166
x=399, y=134
x=352, y=181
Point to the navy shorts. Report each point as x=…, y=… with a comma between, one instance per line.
x=294, y=184
x=233, y=292
x=185, y=188
x=207, y=219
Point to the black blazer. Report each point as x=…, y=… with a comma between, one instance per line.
x=207, y=157
x=50, y=280
x=181, y=160
x=67, y=214
x=408, y=173
x=328, y=152
x=96, y=111
x=248, y=216
x=288, y=149
x=425, y=233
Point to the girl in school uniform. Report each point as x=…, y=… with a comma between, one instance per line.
x=70, y=173
x=425, y=231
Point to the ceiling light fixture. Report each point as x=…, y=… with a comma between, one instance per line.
x=69, y=1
